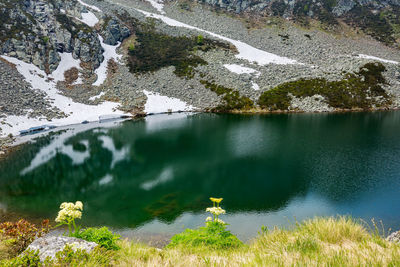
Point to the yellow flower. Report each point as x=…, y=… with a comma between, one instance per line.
x=216, y=200
x=208, y=219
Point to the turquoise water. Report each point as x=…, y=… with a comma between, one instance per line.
x=154, y=175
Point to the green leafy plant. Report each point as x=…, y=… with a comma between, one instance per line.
x=102, y=236
x=131, y=47
x=200, y=40
x=28, y=258
x=214, y=235
x=67, y=215
x=22, y=233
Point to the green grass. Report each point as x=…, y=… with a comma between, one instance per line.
x=213, y=236
x=362, y=90
x=339, y=241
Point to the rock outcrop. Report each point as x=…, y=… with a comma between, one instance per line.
x=48, y=246
x=36, y=31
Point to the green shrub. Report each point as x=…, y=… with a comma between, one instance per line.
x=28, y=258
x=200, y=40
x=214, y=236
x=362, y=90
x=232, y=98
x=131, y=47
x=102, y=236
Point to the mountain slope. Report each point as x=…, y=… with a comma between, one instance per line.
x=151, y=57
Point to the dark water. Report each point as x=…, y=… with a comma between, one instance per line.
x=155, y=175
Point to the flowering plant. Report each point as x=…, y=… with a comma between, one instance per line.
x=67, y=215
x=215, y=210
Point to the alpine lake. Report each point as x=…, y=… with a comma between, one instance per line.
x=152, y=177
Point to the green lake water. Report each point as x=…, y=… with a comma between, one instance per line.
x=154, y=176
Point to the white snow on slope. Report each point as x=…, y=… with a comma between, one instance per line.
x=157, y=103
x=240, y=69
x=95, y=8
x=378, y=59
x=255, y=86
x=246, y=51
x=77, y=112
x=93, y=98
x=89, y=19
x=67, y=62
x=110, y=52
x=158, y=5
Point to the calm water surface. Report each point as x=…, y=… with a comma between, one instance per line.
x=154, y=176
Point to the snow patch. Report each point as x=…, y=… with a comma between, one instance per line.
x=157, y=103
x=240, y=69
x=246, y=52
x=95, y=8
x=67, y=62
x=378, y=59
x=76, y=112
x=110, y=52
x=89, y=19
x=93, y=98
x=255, y=86
x=158, y=5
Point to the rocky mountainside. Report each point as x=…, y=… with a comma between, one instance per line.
x=380, y=19
x=37, y=31
x=68, y=62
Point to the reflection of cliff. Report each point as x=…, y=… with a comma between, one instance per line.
x=135, y=173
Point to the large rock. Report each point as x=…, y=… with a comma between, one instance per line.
x=114, y=32
x=48, y=246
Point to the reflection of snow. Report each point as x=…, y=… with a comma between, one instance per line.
x=58, y=146
x=165, y=121
x=157, y=103
x=246, y=51
x=106, y=179
x=165, y=176
x=117, y=155
x=110, y=52
x=378, y=59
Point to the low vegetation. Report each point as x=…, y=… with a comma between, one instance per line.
x=231, y=98
x=340, y=241
x=71, y=75
x=153, y=50
x=362, y=90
